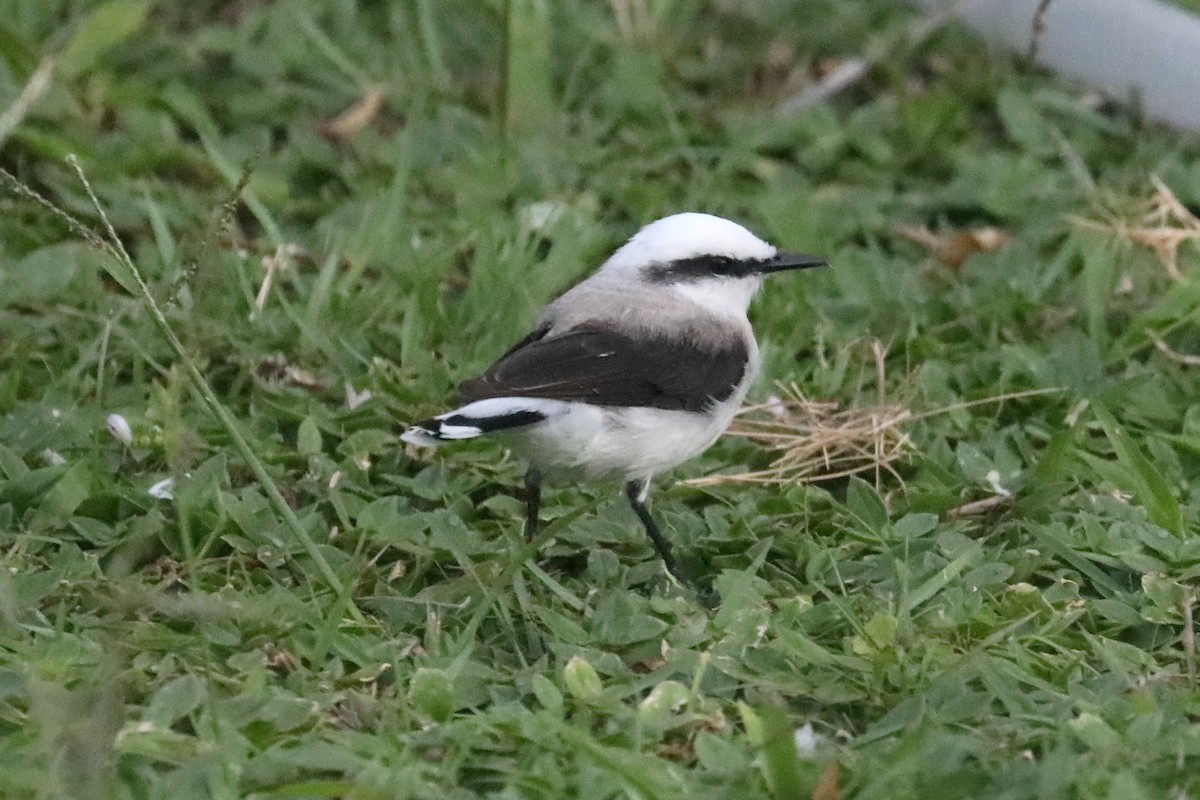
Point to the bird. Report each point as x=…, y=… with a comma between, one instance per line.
x=632, y=371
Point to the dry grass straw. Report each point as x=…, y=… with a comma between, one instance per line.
x=1163, y=227
x=822, y=441
x=818, y=441
x=34, y=88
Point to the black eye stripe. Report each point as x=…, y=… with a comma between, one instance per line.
x=691, y=269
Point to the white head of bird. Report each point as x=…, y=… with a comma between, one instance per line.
x=714, y=262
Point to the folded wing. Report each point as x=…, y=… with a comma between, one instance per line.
x=595, y=364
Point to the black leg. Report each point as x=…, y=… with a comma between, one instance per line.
x=533, y=500
x=634, y=490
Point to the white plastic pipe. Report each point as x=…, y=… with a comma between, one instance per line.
x=1142, y=49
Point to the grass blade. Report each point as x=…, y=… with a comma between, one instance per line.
x=527, y=98
x=1148, y=484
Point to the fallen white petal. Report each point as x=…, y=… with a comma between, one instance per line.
x=162, y=489
x=355, y=399
x=993, y=478
x=118, y=426
x=775, y=407
x=806, y=740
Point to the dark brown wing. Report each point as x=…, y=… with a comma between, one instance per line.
x=597, y=365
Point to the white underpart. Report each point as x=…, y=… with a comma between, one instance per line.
x=612, y=443
x=725, y=297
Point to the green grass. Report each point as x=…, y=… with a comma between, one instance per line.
x=196, y=647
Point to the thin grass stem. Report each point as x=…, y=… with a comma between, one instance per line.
x=117, y=248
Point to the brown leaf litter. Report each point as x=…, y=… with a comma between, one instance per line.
x=951, y=249
x=354, y=118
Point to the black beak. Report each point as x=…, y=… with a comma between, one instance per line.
x=783, y=260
